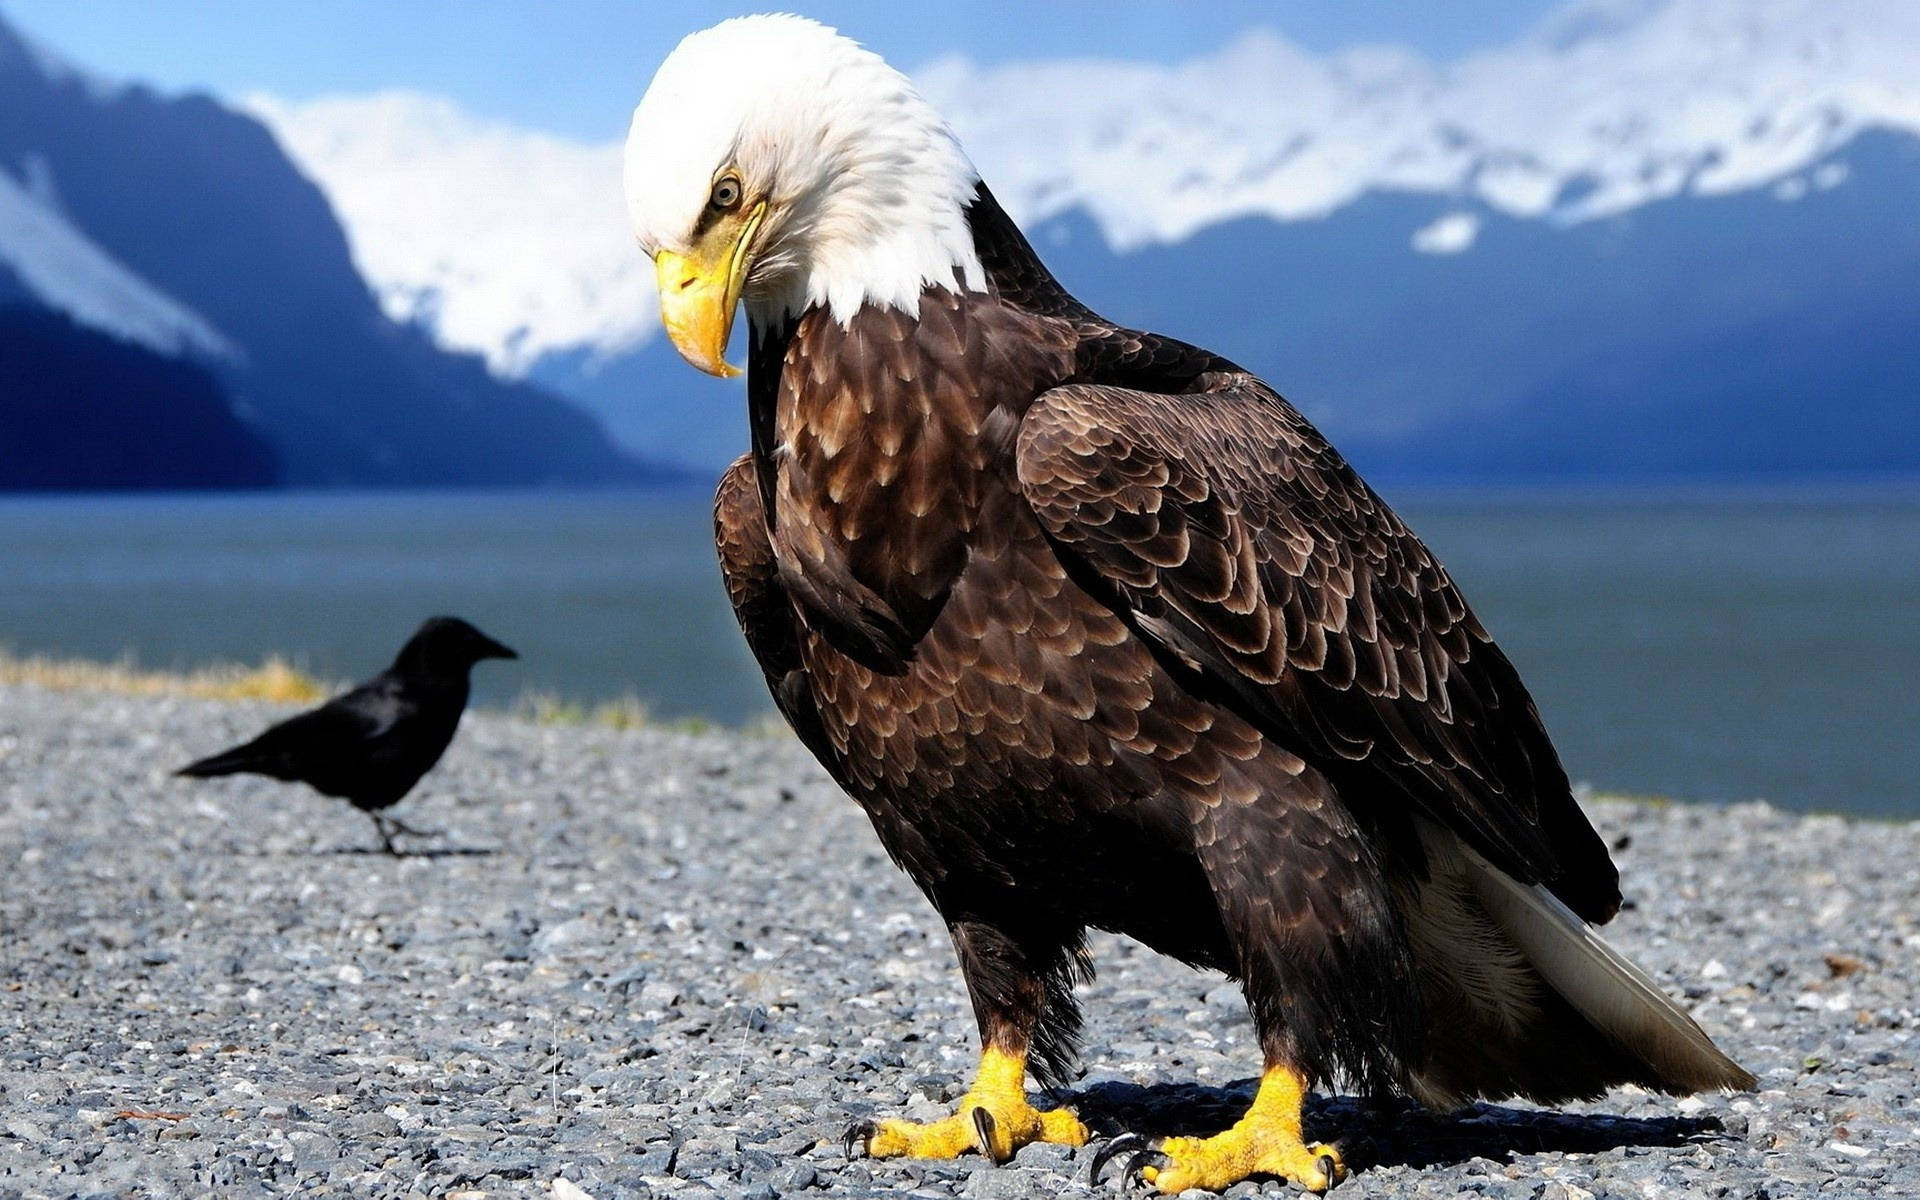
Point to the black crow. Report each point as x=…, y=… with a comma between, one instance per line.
x=370, y=746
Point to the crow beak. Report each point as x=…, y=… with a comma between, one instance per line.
x=493, y=649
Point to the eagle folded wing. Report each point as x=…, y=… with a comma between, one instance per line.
x=1233, y=537
x=760, y=602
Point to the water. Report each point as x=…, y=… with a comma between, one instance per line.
x=1701, y=645
x=602, y=594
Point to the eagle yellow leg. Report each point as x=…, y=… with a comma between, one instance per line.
x=1266, y=1141
x=993, y=1118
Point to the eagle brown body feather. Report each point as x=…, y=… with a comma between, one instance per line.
x=1101, y=633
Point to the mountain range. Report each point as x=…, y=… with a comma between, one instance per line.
x=179, y=308
x=1652, y=238
x=1668, y=239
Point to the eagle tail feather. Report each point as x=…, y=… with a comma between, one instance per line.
x=1616, y=997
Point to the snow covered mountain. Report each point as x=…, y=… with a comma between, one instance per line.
x=1607, y=107
x=1701, y=206
x=513, y=244
x=1418, y=253
x=61, y=267
x=180, y=310
x=506, y=242
x=58, y=265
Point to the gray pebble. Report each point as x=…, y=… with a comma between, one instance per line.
x=794, y=1177
x=650, y=983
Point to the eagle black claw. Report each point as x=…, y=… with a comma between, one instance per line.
x=857, y=1134
x=1140, y=1162
x=1112, y=1150
x=1325, y=1163
x=983, y=1135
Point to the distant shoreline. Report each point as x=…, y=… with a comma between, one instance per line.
x=681, y=481
x=684, y=480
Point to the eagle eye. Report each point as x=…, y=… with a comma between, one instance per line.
x=726, y=193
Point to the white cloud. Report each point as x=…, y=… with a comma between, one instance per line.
x=513, y=243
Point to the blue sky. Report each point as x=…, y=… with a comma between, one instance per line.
x=577, y=66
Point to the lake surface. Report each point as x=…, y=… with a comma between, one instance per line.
x=1716, y=645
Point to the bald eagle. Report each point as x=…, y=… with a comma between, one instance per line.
x=1102, y=634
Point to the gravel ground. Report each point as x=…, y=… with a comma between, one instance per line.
x=660, y=964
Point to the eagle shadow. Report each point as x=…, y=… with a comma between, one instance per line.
x=1386, y=1133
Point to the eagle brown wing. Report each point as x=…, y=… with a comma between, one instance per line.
x=1236, y=540
x=759, y=600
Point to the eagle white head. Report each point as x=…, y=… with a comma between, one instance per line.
x=775, y=162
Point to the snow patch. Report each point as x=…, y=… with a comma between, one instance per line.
x=1449, y=234
x=66, y=270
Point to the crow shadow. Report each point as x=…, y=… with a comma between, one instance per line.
x=428, y=852
x=1386, y=1133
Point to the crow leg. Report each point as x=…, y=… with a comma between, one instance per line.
x=400, y=826
x=390, y=827
x=1011, y=994
x=380, y=825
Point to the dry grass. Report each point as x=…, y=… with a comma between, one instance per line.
x=630, y=712
x=545, y=708
x=275, y=679
x=279, y=681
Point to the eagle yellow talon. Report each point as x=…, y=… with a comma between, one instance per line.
x=1264, y=1142
x=993, y=1118
x=1217, y=1163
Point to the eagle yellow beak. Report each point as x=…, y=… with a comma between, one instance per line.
x=700, y=290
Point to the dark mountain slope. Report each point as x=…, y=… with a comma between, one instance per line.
x=81, y=411
x=200, y=202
